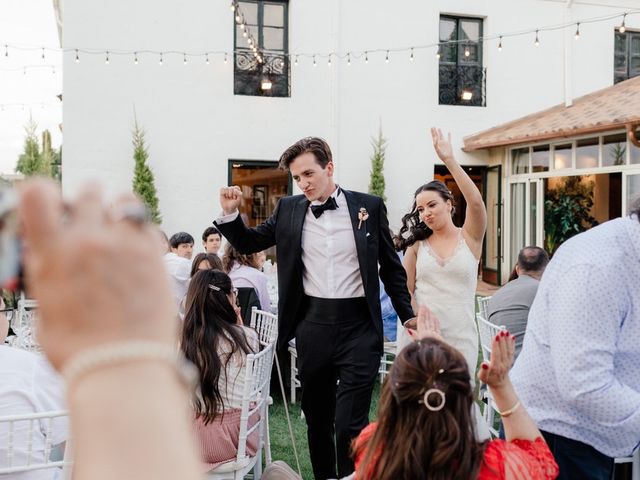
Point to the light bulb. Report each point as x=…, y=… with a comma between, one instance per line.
x=135, y=57
x=577, y=35
x=500, y=44
x=537, y=41
x=622, y=28
x=314, y=61
x=387, y=57
x=411, y=56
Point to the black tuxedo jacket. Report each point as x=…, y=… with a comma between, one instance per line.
x=373, y=244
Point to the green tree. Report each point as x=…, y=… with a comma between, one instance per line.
x=376, y=182
x=567, y=211
x=30, y=160
x=143, y=182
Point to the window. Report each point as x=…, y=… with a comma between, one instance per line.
x=266, y=27
x=626, y=56
x=462, y=78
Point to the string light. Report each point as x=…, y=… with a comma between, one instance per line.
x=366, y=57
x=314, y=61
x=42, y=53
x=77, y=56
x=296, y=61
x=329, y=61
x=537, y=41
x=160, y=61
x=106, y=57
x=411, y=56
x=577, y=35
x=232, y=7
x=349, y=59
x=238, y=17
x=135, y=58
x=184, y=58
x=225, y=58
x=466, y=51
x=500, y=44
x=387, y=57
x=206, y=56
x=438, y=52
x=622, y=28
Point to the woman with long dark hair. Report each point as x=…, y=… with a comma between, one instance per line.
x=244, y=270
x=205, y=261
x=216, y=341
x=441, y=260
x=425, y=428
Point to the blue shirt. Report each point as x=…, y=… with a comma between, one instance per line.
x=579, y=370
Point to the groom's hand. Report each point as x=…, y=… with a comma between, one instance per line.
x=230, y=198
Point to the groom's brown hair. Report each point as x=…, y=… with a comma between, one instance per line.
x=315, y=145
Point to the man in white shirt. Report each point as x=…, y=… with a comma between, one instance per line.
x=579, y=369
x=28, y=384
x=330, y=242
x=178, y=263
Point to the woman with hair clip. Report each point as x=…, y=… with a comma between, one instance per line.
x=205, y=261
x=216, y=341
x=441, y=260
x=424, y=414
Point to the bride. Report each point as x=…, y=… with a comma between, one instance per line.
x=441, y=260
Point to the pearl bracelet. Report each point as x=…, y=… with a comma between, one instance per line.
x=111, y=354
x=506, y=413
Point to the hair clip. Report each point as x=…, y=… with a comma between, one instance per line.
x=441, y=370
x=429, y=405
x=213, y=287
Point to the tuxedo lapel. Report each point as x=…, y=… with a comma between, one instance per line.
x=298, y=214
x=360, y=234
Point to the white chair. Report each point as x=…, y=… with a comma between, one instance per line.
x=389, y=351
x=483, y=306
x=254, y=403
x=20, y=448
x=266, y=324
x=635, y=464
x=294, y=381
x=488, y=332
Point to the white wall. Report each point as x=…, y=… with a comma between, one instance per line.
x=194, y=123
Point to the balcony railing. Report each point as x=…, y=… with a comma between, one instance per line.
x=463, y=85
x=269, y=78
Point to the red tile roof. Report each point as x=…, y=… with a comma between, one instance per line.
x=611, y=108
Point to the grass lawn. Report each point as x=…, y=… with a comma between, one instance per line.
x=281, y=448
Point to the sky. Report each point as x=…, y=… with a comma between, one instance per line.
x=28, y=23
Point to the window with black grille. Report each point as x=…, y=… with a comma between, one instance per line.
x=263, y=71
x=462, y=79
x=626, y=57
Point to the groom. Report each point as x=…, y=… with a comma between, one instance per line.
x=329, y=242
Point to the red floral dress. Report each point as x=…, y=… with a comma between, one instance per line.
x=514, y=460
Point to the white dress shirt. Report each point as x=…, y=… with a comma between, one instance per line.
x=329, y=255
x=179, y=269
x=579, y=370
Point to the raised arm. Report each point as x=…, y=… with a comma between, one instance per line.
x=475, y=222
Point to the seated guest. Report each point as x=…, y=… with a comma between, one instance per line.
x=211, y=241
x=214, y=339
x=28, y=384
x=205, y=261
x=425, y=428
x=510, y=305
x=244, y=272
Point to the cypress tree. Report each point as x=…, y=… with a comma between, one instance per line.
x=143, y=182
x=376, y=182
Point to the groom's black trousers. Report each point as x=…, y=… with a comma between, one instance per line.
x=338, y=359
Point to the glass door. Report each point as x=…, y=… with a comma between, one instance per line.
x=492, y=247
x=526, y=217
x=631, y=191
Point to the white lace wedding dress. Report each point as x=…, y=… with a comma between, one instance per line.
x=448, y=288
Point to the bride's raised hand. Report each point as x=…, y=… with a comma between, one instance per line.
x=442, y=145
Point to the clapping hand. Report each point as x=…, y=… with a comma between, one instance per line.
x=495, y=373
x=442, y=145
x=428, y=325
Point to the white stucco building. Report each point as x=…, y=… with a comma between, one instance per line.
x=198, y=129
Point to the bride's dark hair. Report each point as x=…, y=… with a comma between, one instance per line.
x=413, y=229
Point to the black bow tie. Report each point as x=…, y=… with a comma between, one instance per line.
x=318, y=210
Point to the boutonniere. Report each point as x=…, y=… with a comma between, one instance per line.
x=362, y=216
